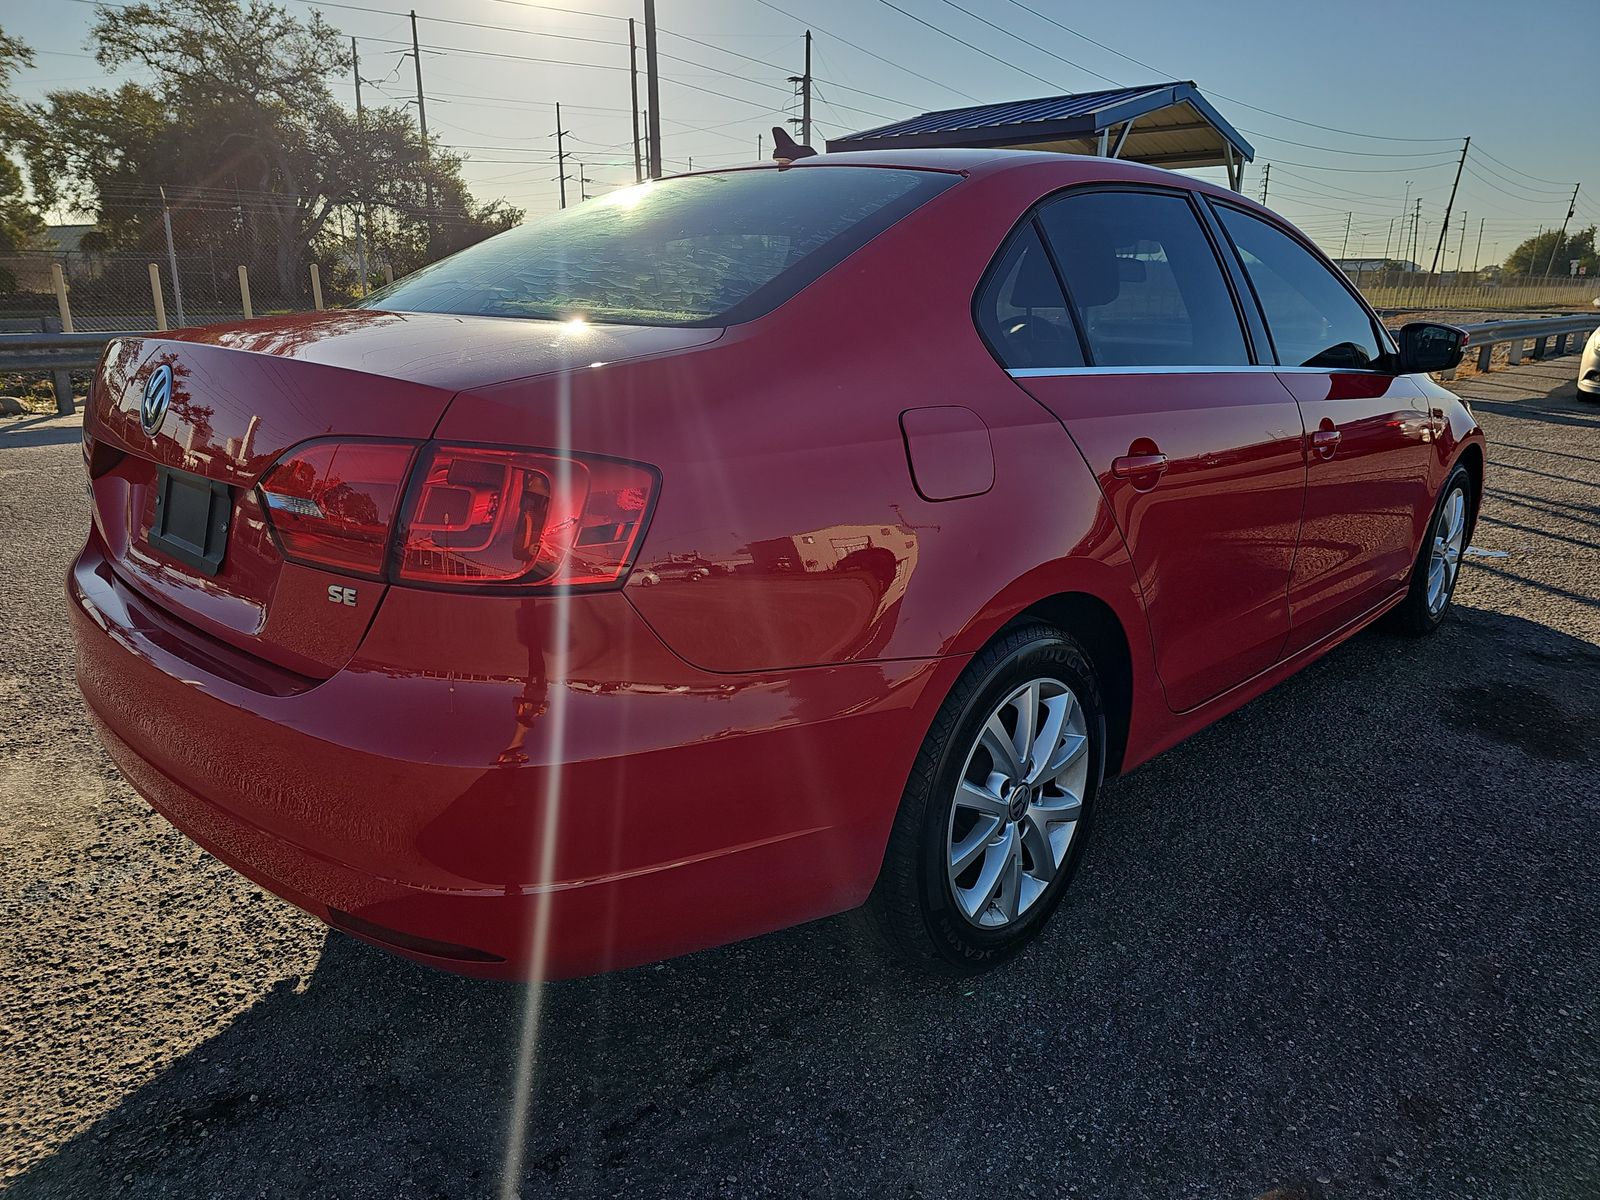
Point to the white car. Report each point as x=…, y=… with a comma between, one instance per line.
x=1589, y=368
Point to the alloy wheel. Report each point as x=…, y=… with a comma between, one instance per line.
x=1018, y=803
x=1449, y=533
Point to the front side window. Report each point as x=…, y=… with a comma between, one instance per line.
x=1145, y=280
x=1312, y=317
x=1022, y=311
x=698, y=250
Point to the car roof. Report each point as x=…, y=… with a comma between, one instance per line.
x=1060, y=169
x=1070, y=168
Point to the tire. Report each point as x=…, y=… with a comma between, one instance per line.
x=928, y=912
x=1423, y=609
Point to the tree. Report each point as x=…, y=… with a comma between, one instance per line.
x=241, y=130
x=20, y=224
x=1533, y=255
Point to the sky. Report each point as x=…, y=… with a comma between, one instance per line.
x=1358, y=104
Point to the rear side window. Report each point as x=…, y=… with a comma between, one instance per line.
x=698, y=250
x=1145, y=280
x=1021, y=310
x=1312, y=317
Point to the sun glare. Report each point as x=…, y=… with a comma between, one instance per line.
x=629, y=197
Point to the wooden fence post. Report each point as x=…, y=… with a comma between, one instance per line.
x=61, y=383
x=244, y=290
x=316, y=287
x=155, y=294
x=62, y=306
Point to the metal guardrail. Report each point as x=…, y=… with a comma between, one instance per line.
x=59, y=354
x=56, y=355
x=1542, y=331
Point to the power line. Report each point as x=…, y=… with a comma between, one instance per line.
x=1034, y=45
x=1368, y=170
x=1337, y=188
x=854, y=46
x=1487, y=182
x=562, y=62
x=1329, y=149
x=1561, y=186
x=1231, y=99
x=963, y=42
x=1523, y=186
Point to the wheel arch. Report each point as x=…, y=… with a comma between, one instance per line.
x=1096, y=626
x=1471, y=457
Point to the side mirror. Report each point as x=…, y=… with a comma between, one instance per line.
x=1425, y=346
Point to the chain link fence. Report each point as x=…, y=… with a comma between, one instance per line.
x=1446, y=290
x=123, y=291
x=138, y=291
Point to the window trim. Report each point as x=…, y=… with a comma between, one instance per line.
x=1252, y=352
x=1387, y=353
x=1028, y=221
x=1208, y=225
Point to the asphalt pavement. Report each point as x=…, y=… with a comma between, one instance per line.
x=1341, y=944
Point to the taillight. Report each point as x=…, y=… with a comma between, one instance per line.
x=332, y=503
x=489, y=516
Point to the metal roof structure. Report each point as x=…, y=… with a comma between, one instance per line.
x=1162, y=124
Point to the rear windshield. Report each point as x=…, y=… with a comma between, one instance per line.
x=697, y=250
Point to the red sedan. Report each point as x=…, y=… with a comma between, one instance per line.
x=748, y=547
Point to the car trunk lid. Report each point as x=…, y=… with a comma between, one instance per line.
x=242, y=397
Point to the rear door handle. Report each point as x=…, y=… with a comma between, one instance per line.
x=1144, y=467
x=1325, y=441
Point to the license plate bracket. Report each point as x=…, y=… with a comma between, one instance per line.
x=192, y=517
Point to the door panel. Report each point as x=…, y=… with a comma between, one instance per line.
x=1212, y=536
x=1366, y=495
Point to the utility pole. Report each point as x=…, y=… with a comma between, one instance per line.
x=1443, y=229
x=1346, y=246
x=1266, y=178
x=652, y=87
x=804, y=80
x=805, y=108
x=361, y=166
x=1572, y=207
x=1416, y=231
x=1478, y=253
x=1461, y=246
x=422, y=126
x=172, y=260
x=758, y=147
x=1386, y=240
x=561, y=157
x=583, y=182
x=1405, y=213
x=633, y=90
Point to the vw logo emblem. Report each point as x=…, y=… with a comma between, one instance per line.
x=157, y=398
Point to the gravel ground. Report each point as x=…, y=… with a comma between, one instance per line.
x=1342, y=944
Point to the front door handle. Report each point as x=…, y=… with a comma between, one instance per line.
x=1143, y=469
x=1324, y=442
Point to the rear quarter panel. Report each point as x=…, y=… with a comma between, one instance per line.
x=785, y=474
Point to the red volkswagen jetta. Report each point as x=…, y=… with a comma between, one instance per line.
x=747, y=547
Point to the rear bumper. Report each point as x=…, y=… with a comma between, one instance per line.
x=433, y=809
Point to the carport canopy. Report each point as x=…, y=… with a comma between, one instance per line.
x=1162, y=124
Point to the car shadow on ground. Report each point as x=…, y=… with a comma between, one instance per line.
x=48, y=430
x=1505, y=394
x=1303, y=953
